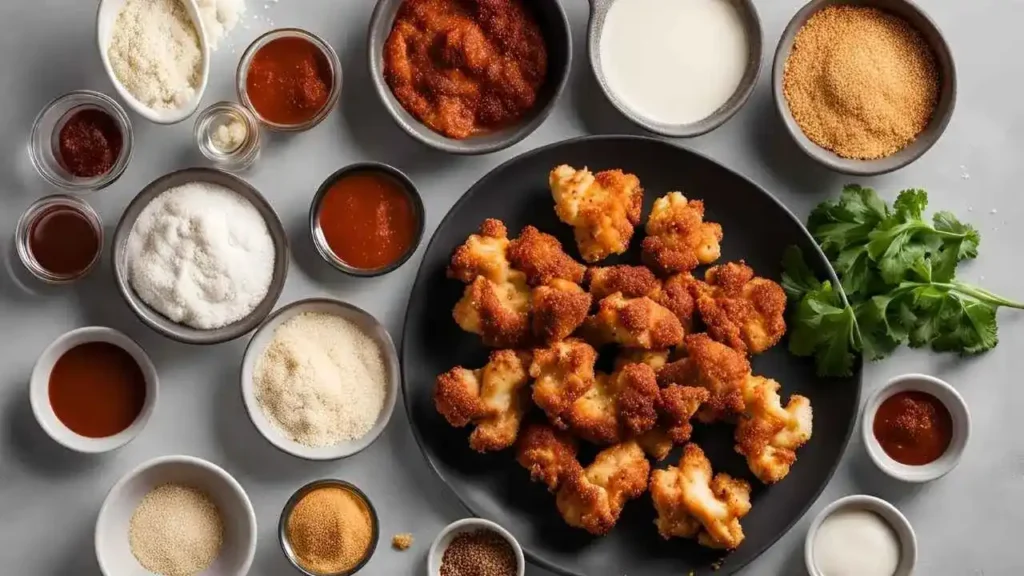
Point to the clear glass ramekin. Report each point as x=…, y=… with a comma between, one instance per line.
x=24, y=230
x=223, y=114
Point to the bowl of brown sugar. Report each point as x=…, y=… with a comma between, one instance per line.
x=865, y=87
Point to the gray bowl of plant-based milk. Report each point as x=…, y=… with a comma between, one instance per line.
x=677, y=69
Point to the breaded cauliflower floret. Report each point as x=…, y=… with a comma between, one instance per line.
x=482, y=254
x=593, y=499
x=498, y=312
x=559, y=308
x=602, y=208
x=563, y=373
x=769, y=435
x=541, y=258
x=743, y=311
x=678, y=239
x=617, y=407
x=631, y=281
x=715, y=367
x=634, y=323
x=549, y=455
x=676, y=295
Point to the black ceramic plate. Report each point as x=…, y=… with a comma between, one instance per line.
x=757, y=229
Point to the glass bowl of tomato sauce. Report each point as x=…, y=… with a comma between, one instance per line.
x=290, y=79
x=367, y=219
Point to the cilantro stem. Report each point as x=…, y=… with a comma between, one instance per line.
x=969, y=290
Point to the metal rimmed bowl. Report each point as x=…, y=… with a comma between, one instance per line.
x=156, y=320
x=282, y=526
x=330, y=56
x=917, y=18
x=599, y=10
x=262, y=338
x=554, y=26
x=403, y=181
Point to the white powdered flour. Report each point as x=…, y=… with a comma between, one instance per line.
x=219, y=18
x=201, y=255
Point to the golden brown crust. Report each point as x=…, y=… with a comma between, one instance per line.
x=675, y=294
x=769, y=435
x=559, y=308
x=457, y=396
x=631, y=281
x=499, y=313
x=740, y=310
x=678, y=405
x=719, y=369
x=482, y=254
x=548, y=454
x=541, y=258
x=678, y=239
x=563, y=373
x=656, y=359
x=617, y=407
x=634, y=323
x=594, y=498
x=602, y=208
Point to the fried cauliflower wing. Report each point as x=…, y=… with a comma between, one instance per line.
x=482, y=254
x=678, y=239
x=656, y=359
x=715, y=367
x=634, y=323
x=602, y=208
x=541, y=258
x=563, y=373
x=492, y=398
x=548, y=454
x=593, y=499
x=559, y=308
x=743, y=311
x=498, y=312
x=676, y=294
x=769, y=435
x=631, y=281
x=691, y=502
x=617, y=407
x=677, y=405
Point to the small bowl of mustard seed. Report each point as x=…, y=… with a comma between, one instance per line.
x=864, y=87
x=475, y=547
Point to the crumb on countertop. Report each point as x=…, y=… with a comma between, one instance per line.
x=401, y=541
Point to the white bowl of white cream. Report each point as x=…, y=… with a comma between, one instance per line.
x=860, y=536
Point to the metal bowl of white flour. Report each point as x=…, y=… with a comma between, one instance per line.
x=236, y=307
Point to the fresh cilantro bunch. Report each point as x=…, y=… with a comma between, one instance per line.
x=898, y=273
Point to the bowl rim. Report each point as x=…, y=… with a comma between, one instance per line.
x=464, y=147
x=329, y=53
x=214, y=470
x=890, y=514
x=277, y=439
x=736, y=101
x=829, y=159
x=958, y=411
x=435, y=552
x=39, y=382
x=168, y=116
x=407, y=185
x=289, y=507
x=183, y=333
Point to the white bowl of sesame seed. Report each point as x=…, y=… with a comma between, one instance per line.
x=475, y=546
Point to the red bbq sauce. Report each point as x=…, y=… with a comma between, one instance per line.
x=913, y=427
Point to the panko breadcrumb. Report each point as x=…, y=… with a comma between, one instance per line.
x=402, y=541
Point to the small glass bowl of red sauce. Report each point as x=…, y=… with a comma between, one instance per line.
x=59, y=239
x=290, y=79
x=915, y=428
x=367, y=219
x=81, y=141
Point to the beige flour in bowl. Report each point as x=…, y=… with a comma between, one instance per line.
x=321, y=380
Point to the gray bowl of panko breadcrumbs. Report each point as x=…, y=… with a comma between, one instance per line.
x=865, y=87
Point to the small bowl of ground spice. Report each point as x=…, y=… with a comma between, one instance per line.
x=864, y=87
x=328, y=528
x=81, y=141
x=475, y=547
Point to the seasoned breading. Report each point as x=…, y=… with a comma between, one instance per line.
x=602, y=208
x=678, y=239
x=482, y=254
x=499, y=313
x=678, y=404
x=740, y=310
x=656, y=443
x=769, y=435
x=656, y=359
x=493, y=398
x=631, y=281
x=715, y=367
x=691, y=502
x=549, y=455
x=593, y=499
x=676, y=295
x=563, y=373
x=559, y=308
x=634, y=323
x=617, y=407
x=541, y=258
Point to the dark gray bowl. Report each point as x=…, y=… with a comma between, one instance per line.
x=943, y=110
x=158, y=321
x=755, y=39
x=555, y=26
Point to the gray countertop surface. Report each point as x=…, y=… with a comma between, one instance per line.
x=967, y=523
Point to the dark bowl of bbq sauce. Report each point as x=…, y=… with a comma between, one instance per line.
x=59, y=239
x=367, y=219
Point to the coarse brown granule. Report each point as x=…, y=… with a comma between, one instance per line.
x=479, y=553
x=860, y=82
x=330, y=530
x=401, y=541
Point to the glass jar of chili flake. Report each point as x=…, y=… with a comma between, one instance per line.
x=81, y=141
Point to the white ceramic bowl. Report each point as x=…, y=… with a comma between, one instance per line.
x=113, y=551
x=953, y=402
x=896, y=520
x=106, y=15
x=444, y=538
x=265, y=334
x=39, y=389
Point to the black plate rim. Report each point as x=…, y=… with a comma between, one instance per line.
x=531, y=556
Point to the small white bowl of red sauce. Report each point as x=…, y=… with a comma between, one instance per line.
x=916, y=427
x=93, y=389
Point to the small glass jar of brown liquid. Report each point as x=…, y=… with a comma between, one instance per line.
x=59, y=239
